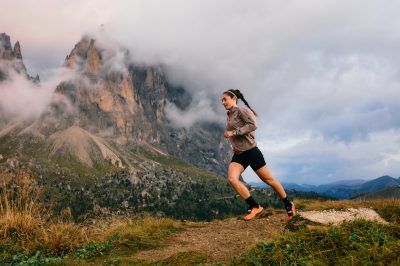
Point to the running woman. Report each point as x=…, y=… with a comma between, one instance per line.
x=241, y=125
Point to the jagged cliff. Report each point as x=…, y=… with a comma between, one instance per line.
x=11, y=59
x=129, y=104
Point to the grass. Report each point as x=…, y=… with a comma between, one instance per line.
x=182, y=258
x=25, y=229
x=355, y=243
x=359, y=242
x=29, y=234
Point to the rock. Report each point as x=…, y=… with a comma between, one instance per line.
x=13, y=57
x=93, y=62
x=336, y=217
x=5, y=47
x=17, y=50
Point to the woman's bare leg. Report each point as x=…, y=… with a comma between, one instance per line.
x=234, y=171
x=267, y=177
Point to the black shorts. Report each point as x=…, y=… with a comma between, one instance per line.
x=252, y=157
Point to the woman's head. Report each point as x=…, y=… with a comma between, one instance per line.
x=229, y=99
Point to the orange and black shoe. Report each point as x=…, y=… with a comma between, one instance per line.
x=291, y=210
x=253, y=213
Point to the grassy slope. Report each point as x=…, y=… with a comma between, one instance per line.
x=352, y=243
x=210, y=196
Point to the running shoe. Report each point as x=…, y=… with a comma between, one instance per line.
x=253, y=213
x=291, y=211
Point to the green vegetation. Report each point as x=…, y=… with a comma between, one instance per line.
x=182, y=258
x=7, y=147
x=177, y=164
x=352, y=243
x=385, y=193
x=355, y=243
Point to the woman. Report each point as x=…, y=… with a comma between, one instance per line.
x=241, y=124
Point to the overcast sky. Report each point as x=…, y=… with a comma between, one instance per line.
x=324, y=76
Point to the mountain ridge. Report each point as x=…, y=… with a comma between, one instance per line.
x=343, y=189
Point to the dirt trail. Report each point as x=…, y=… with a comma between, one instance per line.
x=218, y=240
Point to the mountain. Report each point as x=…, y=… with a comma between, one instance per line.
x=385, y=193
x=342, y=189
x=103, y=106
x=105, y=142
x=11, y=59
x=379, y=183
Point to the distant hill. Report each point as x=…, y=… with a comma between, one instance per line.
x=379, y=183
x=342, y=189
x=385, y=193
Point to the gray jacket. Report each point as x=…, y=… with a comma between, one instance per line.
x=243, y=122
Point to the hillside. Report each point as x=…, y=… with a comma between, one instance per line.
x=385, y=193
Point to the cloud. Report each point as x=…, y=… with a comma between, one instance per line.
x=199, y=111
x=326, y=71
x=23, y=99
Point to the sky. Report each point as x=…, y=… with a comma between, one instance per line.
x=323, y=76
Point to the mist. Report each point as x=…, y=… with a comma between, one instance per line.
x=23, y=99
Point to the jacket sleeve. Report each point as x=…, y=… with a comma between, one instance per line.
x=249, y=119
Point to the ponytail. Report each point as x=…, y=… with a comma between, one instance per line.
x=240, y=96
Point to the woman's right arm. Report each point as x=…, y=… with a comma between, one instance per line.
x=249, y=119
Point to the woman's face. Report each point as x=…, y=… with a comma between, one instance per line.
x=227, y=101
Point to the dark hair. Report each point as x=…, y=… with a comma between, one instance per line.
x=239, y=95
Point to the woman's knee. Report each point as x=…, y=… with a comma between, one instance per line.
x=265, y=175
x=232, y=178
x=269, y=180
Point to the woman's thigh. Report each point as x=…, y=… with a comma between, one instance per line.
x=234, y=171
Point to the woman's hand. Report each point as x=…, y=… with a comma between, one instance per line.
x=228, y=134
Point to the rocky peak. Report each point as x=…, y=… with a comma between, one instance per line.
x=93, y=59
x=6, y=52
x=5, y=41
x=17, y=50
x=12, y=59
x=78, y=53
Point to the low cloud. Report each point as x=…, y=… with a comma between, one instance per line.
x=21, y=98
x=200, y=111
